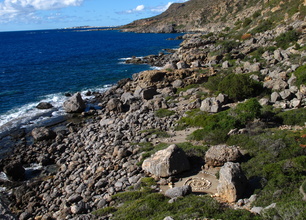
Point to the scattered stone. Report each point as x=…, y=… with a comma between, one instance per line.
x=178, y=191
x=275, y=97
x=211, y=105
x=75, y=104
x=167, y=162
x=218, y=155
x=44, y=105
x=232, y=182
x=43, y=133
x=114, y=105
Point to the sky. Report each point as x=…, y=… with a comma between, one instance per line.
x=49, y=14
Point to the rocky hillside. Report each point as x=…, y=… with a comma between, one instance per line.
x=206, y=15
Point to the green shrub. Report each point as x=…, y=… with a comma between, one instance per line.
x=293, y=117
x=193, y=151
x=256, y=14
x=246, y=22
x=228, y=46
x=148, y=181
x=213, y=82
x=161, y=113
x=155, y=206
x=263, y=26
x=247, y=111
x=300, y=74
x=239, y=87
x=104, y=211
x=285, y=39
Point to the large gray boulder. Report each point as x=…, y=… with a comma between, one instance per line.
x=75, y=104
x=178, y=191
x=114, y=105
x=43, y=133
x=232, y=182
x=218, y=155
x=211, y=105
x=167, y=162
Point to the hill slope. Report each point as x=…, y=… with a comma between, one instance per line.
x=206, y=15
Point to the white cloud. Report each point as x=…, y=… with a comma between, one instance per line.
x=138, y=9
x=11, y=10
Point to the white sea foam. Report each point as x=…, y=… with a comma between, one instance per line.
x=28, y=116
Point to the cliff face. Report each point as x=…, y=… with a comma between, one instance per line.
x=207, y=15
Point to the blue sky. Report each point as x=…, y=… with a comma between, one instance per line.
x=48, y=14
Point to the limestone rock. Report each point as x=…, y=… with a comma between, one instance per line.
x=42, y=133
x=275, y=97
x=44, y=105
x=167, y=162
x=211, y=105
x=232, y=182
x=178, y=191
x=75, y=104
x=218, y=155
x=114, y=105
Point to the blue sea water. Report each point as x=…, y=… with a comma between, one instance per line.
x=43, y=65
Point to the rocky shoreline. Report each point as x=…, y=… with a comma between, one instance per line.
x=99, y=153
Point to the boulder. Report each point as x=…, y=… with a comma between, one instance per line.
x=14, y=171
x=232, y=182
x=292, y=80
x=178, y=191
x=222, y=98
x=44, y=105
x=211, y=105
x=43, y=133
x=181, y=65
x=177, y=83
x=114, y=105
x=275, y=97
x=286, y=94
x=167, y=162
x=218, y=155
x=75, y=104
x=149, y=93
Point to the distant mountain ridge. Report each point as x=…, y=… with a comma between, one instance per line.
x=207, y=15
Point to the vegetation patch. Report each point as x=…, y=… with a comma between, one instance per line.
x=155, y=206
x=240, y=86
x=286, y=39
x=300, y=74
x=293, y=117
x=161, y=113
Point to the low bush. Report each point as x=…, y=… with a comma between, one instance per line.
x=155, y=206
x=286, y=39
x=240, y=86
x=293, y=117
x=247, y=111
x=263, y=26
x=161, y=113
x=300, y=74
x=228, y=46
x=246, y=22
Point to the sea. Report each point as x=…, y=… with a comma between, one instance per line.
x=43, y=66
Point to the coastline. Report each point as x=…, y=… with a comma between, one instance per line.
x=98, y=153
